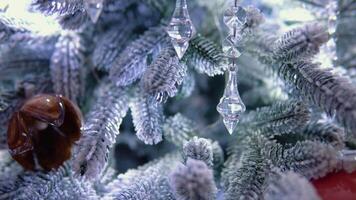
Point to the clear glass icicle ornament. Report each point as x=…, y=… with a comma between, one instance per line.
x=180, y=29
x=94, y=9
x=231, y=106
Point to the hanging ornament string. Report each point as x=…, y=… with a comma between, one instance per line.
x=231, y=106
x=180, y=28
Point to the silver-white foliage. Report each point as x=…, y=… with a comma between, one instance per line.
x=244, y=176
x=193, y=181
x=205, y=56
x=325, y=132
x=60, y=7
x=149, y=182
x=334, y=94
x=147, y=117
x=188, y=86
x=282, y=117
x=100, y=130
x=301, y=43
x=132, y=62
x=164, y=75
x=199, y=149
x=289, y=185
x=110, y=45
x=10, y=26
x=55, y=185
x=178, y=129
x=67, y=66
x=311, y=159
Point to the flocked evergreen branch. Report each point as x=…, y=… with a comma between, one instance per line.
x=57, y=184
x=334, y=94
x=178, y=129
x=110, y=45
x=311, y=159
x=281, y=117
x=147, y=117
x=300, y=43
x=164, y=75
x=27, y=58
x=67, y=66
x=73, y=21
x=60, y=7
x=244, y=176
x=8, y=27
x=132, y=62
x=9, y=168
x=317, y=131
x=182, y=132
x=205, y=56
x=187, y=86
x=99, y=133
x=199, y=149
x=291, y=186
x=193, y=181
x=149, y=182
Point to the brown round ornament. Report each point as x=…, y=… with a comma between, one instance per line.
x=41, y=134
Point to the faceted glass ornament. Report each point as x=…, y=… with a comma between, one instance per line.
x=231, y=106
x=231, y=46
x=235, y=17
x=94, y=9
x=180, y=28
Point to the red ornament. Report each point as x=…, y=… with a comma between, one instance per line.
x=339, y=185
x=43, y=131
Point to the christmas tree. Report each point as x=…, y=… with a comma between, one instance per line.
x=186, y=100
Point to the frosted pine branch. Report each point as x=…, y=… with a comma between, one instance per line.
x=280, y=118
x=132, y=63
x=244, y=177
x=311, y=159
x=179, y=130
x=60, y=7
x=187, y=86
x=205, y=56
x=291, y=186
x=73, y=21
x=110, y=45
x=194, y=181
x=56, y=184
x=10, y=26
x=100, y=130
x=67, y=66
x=164, y=75
x=147, y=117
x=27, y=58
x=326, y=132
x=199, y=149
x=149, y=182
x=334, y=94
x=300, y=43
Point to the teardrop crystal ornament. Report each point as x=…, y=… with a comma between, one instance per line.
x=94, y=9
x=235, y=16
x=180, y=28
x=231, y=105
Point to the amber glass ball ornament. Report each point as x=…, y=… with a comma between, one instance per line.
x=41, y=134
